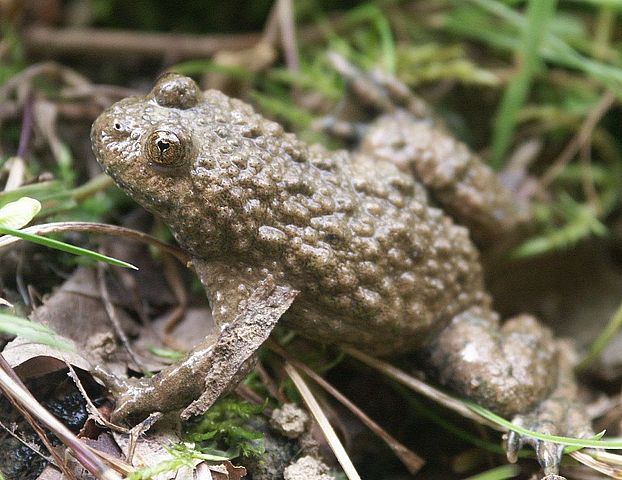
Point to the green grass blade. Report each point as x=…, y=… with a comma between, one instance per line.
x=539, y=15
x=593, y=442
x=65, y=247
x=581, y=221
x=553, y=49
x=499, y=473
x=597, y=347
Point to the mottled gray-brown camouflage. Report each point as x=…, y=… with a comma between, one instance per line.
x=377, y=265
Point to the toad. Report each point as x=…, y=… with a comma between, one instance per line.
x=376, y=242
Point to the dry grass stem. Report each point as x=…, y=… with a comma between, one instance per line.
x=421, y=387
x=114, y=319
x=331, y=437
x=583, y=136
x=410, y=459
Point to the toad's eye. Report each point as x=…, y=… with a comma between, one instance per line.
x=165, y=150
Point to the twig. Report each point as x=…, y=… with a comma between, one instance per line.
x=138, y=431
x=96, y=42
x=587, y=178
x=582, y=136
x=268, y=381
x=52, y=41
x=285, y=12
x=176, y=284
x=90, y=406
x=94, y=185
x=421, y=387
x=13, y=396
x=32, y=446
x=51, y=69
x=271, y=26
x=114, y=319
x=27, y=127
x=18, y=164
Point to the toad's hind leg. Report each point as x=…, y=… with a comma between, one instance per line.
x=517, y=370
x=408, y=134
x=458, y=179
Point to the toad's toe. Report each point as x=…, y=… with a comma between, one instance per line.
x=558, y=415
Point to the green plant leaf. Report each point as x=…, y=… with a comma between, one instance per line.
x=581, y=221
x=167, y=353
x=35, y=332
x=19, y=213
x=65, y=247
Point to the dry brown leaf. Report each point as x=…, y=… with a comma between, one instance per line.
x=75, y=312
x=50, y=473
x=235, y=473
x=35, y=359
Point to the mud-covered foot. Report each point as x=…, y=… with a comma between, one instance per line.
x=560, y=414
x=518, y=370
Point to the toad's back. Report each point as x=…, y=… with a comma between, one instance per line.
x=376, y=265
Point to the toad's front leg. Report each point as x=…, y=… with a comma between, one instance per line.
x=212, y=368
x=518, y=370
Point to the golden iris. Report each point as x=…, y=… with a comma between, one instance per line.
x=165, y=149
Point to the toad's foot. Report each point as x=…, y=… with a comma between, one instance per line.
x=212, y=368
x=517, y=370
x=376, y=91
x=559, y=414
x=379, y=91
